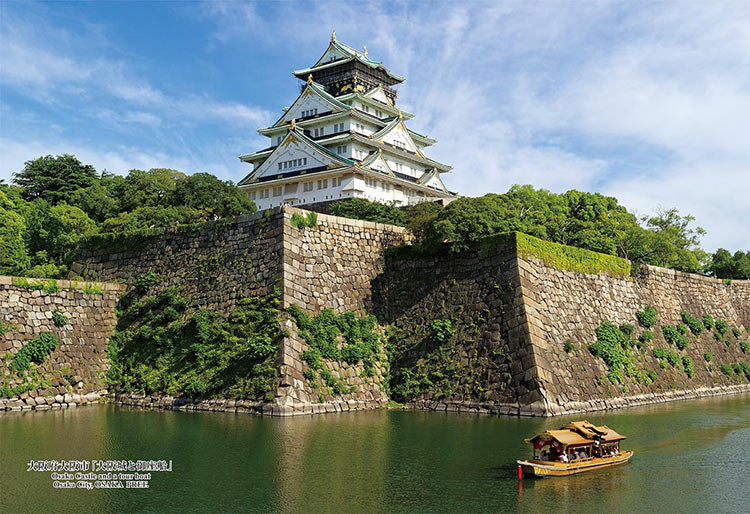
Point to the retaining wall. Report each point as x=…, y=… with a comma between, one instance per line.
x=73, y=372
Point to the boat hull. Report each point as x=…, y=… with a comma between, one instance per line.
x=558, y=469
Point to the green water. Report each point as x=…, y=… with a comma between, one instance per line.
x=689, y=457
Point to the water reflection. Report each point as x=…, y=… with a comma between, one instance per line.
x=688, y=456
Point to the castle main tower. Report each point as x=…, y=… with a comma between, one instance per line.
x=344, y=137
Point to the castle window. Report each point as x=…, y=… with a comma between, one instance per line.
x=341, y=149
x=307, y=186
x=253, y=195
x=278, y=140
x=277, y=191
x=322, y=184
x=263, y=193
x=336, y=182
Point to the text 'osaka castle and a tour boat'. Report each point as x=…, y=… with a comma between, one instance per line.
x=574, y=448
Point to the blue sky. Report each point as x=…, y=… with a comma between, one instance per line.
x=645, y=101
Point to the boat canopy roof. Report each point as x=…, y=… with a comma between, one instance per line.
x=577, y=433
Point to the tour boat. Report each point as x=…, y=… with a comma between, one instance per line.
x=574, y=448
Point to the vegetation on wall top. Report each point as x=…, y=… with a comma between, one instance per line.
x=570, y=258
x=58, y=201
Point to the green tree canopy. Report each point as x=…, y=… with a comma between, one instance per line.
x=725, y=265
x=54, y=178
x=359, y=208
x=206, y=192
x=53, y=233
x=13, y=255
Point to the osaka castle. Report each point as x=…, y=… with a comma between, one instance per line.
x=343, y=137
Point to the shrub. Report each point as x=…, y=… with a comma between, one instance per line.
x=627, y=329
x=59, y=319
x=727, y=370
x=652, y=375
x=737, y=332
x=49, y=286
x=90, y=288
x=673, y=359
x=687, y=364
x=5, y=328
x=696, y=326
x=660, y=353
x=744, y=346
x=646, y=336
x=611, y=346
x=717, y=336
x=708, y=356
x=682, y=329
x=361, y=209
x=647, y=317
x=34, y=351
x=673, y=336
x=722, y=326
x=145, y=281
x=745, y=368
x=303, y=222
x=708, y=321
x=442, y=331
x=568, y=346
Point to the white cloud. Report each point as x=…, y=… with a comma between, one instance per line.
x=648, y=102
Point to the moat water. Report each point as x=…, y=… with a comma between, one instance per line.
x=691, y=456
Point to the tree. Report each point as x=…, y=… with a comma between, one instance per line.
x=102, y=199
x=149, y=188
x=676, y=243
x=152, y=216
x=54, y=178
x=206, y=192
x=53, y=233
x=361, y=209
x=725, y=265
x=14, y=259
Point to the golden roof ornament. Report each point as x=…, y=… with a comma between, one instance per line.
x=292, y=124
x=400, y=114
x=309, y=79
x=333, y=36
x=365, y=50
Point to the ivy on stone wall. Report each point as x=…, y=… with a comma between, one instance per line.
x=5, y=328
x=158, y=347
x=34, y=351
x=613, y=347
x=344, y=337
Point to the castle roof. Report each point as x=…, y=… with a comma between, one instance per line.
x=339, y=53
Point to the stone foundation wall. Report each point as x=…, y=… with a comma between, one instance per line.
x=331, y=265
x=213, y=267
x=486, y=362
x=525, y=312
x=73, y=372
x=567, y=307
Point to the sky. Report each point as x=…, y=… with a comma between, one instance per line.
x=645, y=101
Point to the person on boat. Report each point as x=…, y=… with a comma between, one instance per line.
x=564, y=457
